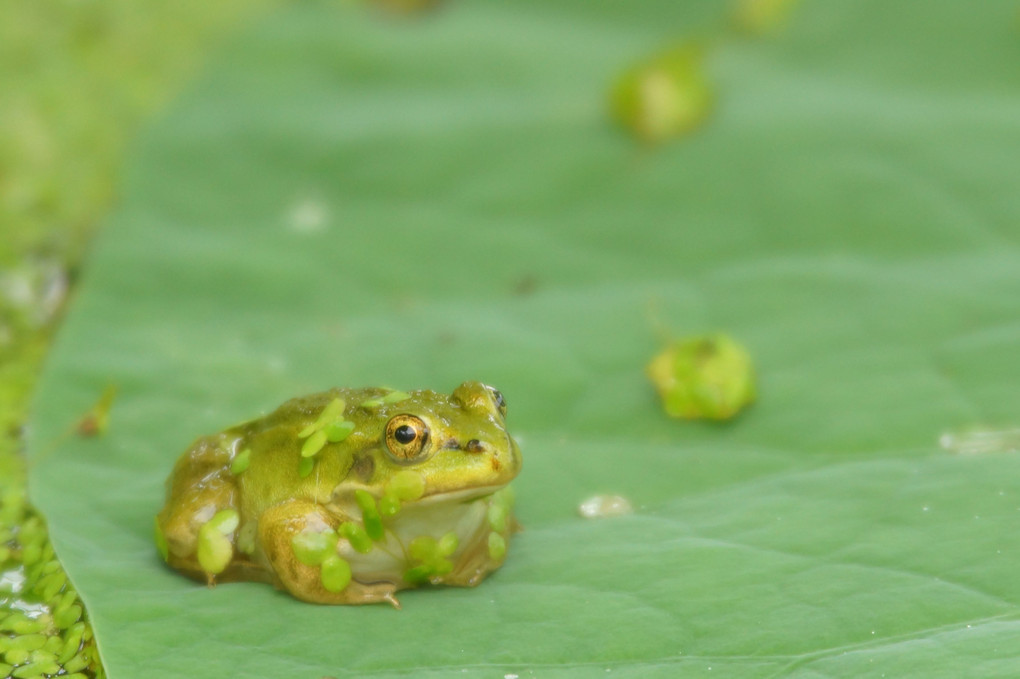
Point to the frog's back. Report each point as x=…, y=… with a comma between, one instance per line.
x=275, y=444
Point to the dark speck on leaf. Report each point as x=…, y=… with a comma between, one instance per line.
x=526, y=285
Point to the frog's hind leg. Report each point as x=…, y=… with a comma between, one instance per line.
x=299, y=542
x=196, y=527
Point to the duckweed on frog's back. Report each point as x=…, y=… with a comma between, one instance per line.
x=347, y=496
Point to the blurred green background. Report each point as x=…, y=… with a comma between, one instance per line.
x=76, y=81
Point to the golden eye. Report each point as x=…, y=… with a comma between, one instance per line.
x=407, y=438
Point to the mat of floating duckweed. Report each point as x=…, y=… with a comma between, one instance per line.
x=346, y=199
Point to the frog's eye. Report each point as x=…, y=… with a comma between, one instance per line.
x=498, y=399
x=407, y=438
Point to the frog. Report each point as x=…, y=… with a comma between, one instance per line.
x=349, y=495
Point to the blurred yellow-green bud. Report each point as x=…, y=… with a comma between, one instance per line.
x=762, y=16
x=405, y=6
x=708, y=377
x=663, y=97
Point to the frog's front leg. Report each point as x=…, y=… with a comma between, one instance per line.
x=299, y=540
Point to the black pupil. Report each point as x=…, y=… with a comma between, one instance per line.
x=500, y=403
x=405, y=433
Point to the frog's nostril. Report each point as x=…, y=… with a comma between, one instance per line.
x=474, y=446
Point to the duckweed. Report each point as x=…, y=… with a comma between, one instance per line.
x=215, y=548
x=390, y=397
x=429, y=556
x=29, y=642
x=67, y=617
x=330, y=427
x=52, y=583
x=240, y=463
x=36, y=668
x=313, y=548
x=16, y=656
x=334, y=410
x=313, y=444
x=406, y=485
x=41, y=644
x=497, y=546
x=335, y=574
x=448, y=544
x=497, y=515
x=369, y=514
x=338, y=431
x=72, y=642
x=357, y=536
x=389, y=506
x=79, y=662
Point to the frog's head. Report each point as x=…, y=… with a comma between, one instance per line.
x=457, y=442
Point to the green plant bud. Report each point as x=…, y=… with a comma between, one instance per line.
x=664, y=97
x=708, y=377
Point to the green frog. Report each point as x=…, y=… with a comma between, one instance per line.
x=347, y=496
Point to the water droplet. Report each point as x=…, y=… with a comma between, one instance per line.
x=981, y=441
x=602, y=506
x=307, y=215
x=12, y=581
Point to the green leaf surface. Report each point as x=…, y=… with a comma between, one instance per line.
x=347, y=199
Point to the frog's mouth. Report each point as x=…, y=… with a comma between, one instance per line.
x=458, y=496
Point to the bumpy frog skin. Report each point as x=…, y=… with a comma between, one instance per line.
x=347, y=496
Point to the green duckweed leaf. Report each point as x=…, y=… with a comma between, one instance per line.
x=346, y=199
